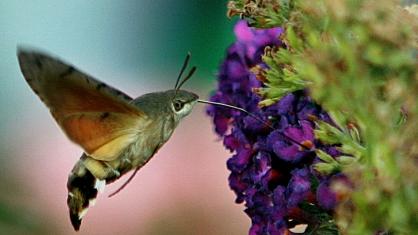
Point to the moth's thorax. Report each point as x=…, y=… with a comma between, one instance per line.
x=147, y=144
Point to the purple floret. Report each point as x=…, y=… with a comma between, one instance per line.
x=271, y=169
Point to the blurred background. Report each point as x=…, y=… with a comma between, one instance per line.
x=138, y=47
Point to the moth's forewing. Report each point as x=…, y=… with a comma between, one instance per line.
x=97, y=117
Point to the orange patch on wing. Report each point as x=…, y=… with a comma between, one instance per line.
x=102, y=135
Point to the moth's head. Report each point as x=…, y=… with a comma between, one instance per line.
x=182, y=102
x=176, y=103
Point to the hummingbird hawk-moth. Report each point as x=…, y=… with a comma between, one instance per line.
x=117, y=133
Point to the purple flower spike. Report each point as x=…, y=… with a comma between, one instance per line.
x=270, y=164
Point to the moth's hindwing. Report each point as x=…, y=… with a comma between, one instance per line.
x=97, y=117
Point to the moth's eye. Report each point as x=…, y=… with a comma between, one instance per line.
x=178, y=105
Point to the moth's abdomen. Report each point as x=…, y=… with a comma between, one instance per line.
x=83, y=188
x=89, y=176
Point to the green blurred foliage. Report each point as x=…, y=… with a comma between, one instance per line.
x=358, y=59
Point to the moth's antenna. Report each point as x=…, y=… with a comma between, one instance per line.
x=184, y=80
x=187, y=77
x=253, y=116
x=185, y=63
x=124, y=184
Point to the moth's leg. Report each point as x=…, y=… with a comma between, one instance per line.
x=100, y=169
x=126, y=161
x=114, y=171
x=122, y=166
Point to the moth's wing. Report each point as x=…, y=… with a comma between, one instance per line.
x=103, y=135
x=94, y=115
